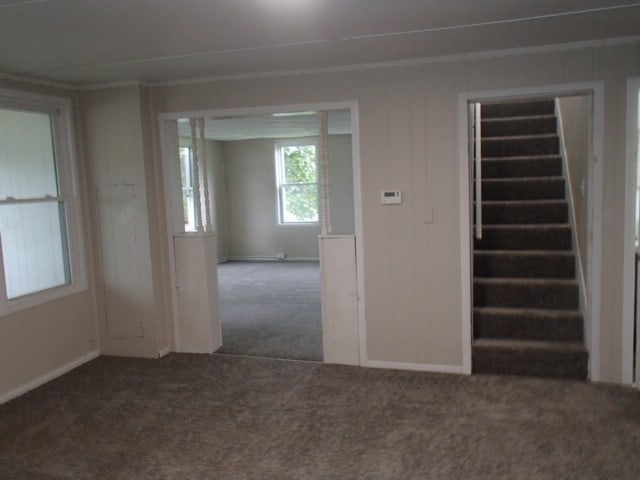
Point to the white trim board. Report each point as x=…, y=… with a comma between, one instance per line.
x=417, y=367
x=271, y=259
x=594, y=268
x=628, y=284
x=16, y=392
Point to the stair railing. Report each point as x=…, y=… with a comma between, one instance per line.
x=477, y=157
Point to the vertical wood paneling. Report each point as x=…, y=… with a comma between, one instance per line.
x=388, y=106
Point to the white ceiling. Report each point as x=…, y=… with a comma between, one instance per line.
x=88, y=42
x=270, y=126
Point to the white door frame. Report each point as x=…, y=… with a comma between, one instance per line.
x=168, y=172
x=594, y=261
x=628, y=285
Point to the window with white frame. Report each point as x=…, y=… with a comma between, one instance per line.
x=41, y=251
x=297, y=182
x=189, y=205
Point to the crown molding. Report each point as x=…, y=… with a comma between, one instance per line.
x=413, y=62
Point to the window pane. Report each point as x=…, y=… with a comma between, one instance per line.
x=300, y=164
x=34, y=247
x=27, y=162
x=299, y=203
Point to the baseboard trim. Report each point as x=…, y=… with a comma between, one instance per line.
x=419, y=367
x=273, y=259
x=48, y=377
x=164, y=352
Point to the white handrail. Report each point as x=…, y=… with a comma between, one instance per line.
x=477, y=141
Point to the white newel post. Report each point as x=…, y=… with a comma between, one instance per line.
x=196, y=175
x=205, y=179
x=325, y=207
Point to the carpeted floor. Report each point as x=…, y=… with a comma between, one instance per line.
x=271, y=309
x=226, y=417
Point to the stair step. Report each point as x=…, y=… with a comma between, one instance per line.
x=524, y=188
x=525, y=166
x=503, y=126
x=525, y=293
x=525, y=212
x=524, y=264
x=533, y=358
x=525, y=237
x=518, y=109
x=547, y=144
x=527, y=324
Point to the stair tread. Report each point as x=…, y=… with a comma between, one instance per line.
x=523, y=345
x=541, y=156
x=535, y=312
x=525, y=226
x=523, y=280
x=545, y=178
x=519, y=117
x=527, y=136
x=526, y=202
x=538, y=253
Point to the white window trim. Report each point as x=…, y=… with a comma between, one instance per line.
x=66, y=167
x=293, y=142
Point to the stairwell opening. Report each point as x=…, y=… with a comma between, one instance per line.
x=529, y=294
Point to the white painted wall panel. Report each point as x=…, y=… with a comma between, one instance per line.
x=197, y=285
x=113, y=123
x=340, y=300
x=394, y=246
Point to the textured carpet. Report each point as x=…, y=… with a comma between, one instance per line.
x=226, y=417
x=271, y=309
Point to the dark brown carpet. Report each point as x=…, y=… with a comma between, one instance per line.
x=224, y=417
x=271, y=309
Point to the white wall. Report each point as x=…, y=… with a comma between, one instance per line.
x=408, y=140
x=131, y=304
x=41, y=341
x=575, y=113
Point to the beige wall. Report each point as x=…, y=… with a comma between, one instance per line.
x=38, y=341
x=341, y=185
x=408, y=139
x=252, y=204
x=575, y=113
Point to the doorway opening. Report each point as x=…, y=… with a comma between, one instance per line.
x=532, y=212
x=265, y=185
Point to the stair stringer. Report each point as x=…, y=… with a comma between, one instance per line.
x=569, y=196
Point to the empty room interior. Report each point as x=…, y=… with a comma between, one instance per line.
x=318, y=239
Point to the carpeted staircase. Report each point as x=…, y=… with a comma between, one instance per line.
x=525, y=315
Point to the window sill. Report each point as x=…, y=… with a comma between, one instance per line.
x=33, y=300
